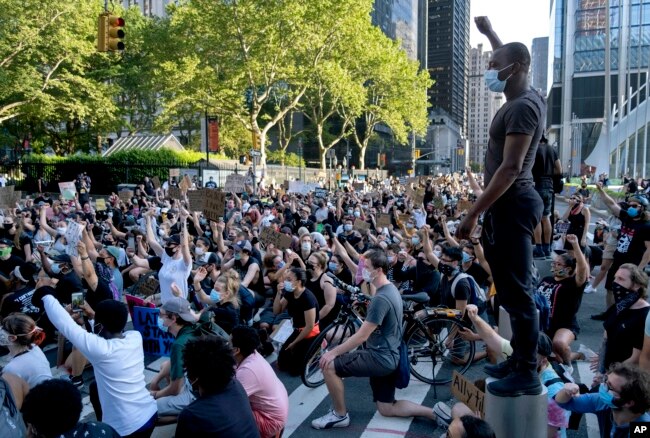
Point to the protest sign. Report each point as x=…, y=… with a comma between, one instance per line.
x=125, y=195
x=466, y=392
x=73, y=236
x=402, y=180
x=235, y=183
x=17, y=196
x=156, y=182
x=154, y=340
x=383, y=220
x=358, y=187
x=298, y=187
x=133, y=301
x=320, y=192
x=279, y=240
x=68, y=190
x=214, y=204
x=403, y=217
x=361, y=225
x=438, y=203
x=418, y=197
x=174, y=173
x=7, y=197
x=463, y=205
x=185, y=184
x=100, y=204
x=174, y=193
x=196, y=199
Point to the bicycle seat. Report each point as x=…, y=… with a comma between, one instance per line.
x=420, y=297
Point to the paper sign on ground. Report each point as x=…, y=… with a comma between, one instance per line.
x=73, y=236
x=196, y=199
x=235, y=183
x=279, y=240
x=282, y=332
x=215, y=204
x=465, y=391
x=154, y=340
x=68, y=190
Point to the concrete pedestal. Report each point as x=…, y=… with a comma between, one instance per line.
x=517, y=417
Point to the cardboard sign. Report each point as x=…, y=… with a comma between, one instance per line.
x=279, y=240
x=383, y=220
x=361, y=225
x=156, y=182
x=174, y=173
x=73, y=236
x=68, y=190
x=438, y=203
x=235, y=183
x=148, y=286
x=7, y=197
x=403, y=217
x=196, y=199
x=359, y=187
x=133, y=301
x=418, y=197
x=320, y=192
x=154, y=340
x=18, y=195
x=174, y=193
x=463, y=205
x=465, y=391
x=100, y=204
x=215, y=204
x=185, y=184
x=125, y=195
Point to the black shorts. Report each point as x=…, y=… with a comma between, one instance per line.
x=547, y=199
x=362, y=364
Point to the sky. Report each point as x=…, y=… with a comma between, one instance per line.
x=512, y=20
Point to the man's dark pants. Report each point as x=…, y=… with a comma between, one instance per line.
x=508, y=228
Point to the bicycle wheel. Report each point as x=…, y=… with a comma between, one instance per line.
x=436, y=350
x=335, y=334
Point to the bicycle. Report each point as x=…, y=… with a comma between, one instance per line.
x=435, y=347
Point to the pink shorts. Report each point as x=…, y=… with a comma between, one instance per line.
x=268, y=427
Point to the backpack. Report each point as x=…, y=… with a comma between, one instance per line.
x=544, y=311
x=207, y=327
x=11, y=420
x=477, y=296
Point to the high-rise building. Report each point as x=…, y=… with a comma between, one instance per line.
x=482, y=105
x=448, y=56
x=398, y=19
x=149, y=8
x=579, y=73
x=539, y=64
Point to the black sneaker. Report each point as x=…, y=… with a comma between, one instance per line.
x=77, y=381
x=500, y=370
x=517, y=383
x=599, y=316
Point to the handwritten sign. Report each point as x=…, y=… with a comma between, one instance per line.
x=438, y=203
x=68, y=190
x=18, y=195
x=125, y=195
x=235, y=183
x=418, y=197
x=320, y=192
x=361, y=225
x=6, y=197
x=174, y=173
x=197, y=199
x=279, y=240
x=403, y=217
x=215, y=204
x=463, y=205
x=154, y=340
x=185, y=183
x=156, y=182
x=133, y=301
x=383, y=220
x=298, y=187
x=72, y=236
x=148, y=286
x=359, y=187
x=100, y=204
x=174, y=193
x=465, y=391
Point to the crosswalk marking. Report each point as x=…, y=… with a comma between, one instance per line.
x=586, y=377
x=303, y=401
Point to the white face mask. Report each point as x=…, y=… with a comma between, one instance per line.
x=4, y=338
x=199, y=251
x=367, y=276
x=306, y=246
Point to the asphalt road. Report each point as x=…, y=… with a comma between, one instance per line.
x=307, y=404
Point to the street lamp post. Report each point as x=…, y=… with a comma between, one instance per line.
x=300, y=158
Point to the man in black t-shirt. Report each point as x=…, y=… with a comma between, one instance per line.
x=547, y=164
x=512, y=207
x=8, y=261
x=450, y=268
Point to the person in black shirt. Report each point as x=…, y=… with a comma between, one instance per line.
x=8, y=261
x=302, y=306
x=222, y=409
x=61, y=269
x=547, y=164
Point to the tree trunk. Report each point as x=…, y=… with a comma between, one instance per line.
x=362, y=156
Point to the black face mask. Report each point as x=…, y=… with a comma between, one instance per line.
x=170, y=251
x=446, y=269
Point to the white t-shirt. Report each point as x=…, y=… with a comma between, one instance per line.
x=173, y=271
x=119, y=370
x=31, y=366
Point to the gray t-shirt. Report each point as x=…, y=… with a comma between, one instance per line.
x=526, y=114
x=385, y=310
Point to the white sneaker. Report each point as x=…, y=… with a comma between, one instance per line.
x=587, y=352
x=590, y=289
x=443, y=414
x=330, y=420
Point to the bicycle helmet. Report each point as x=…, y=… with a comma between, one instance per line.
x=641, y=200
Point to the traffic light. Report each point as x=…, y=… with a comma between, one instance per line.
x=110, y=33
x=417, y=154
x=257, y=141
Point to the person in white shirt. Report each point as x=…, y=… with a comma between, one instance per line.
x=118, y=361
x=21, y=336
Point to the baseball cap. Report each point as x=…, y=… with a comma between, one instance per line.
x=61, y=258
x=181, y=307
x=544, y=345
x=6, y=242
x=245, y=207
x=114, y=251
x=243, y=245
x=174, y=239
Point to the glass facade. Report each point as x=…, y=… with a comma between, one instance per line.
x=556, y=40
x=398, y=19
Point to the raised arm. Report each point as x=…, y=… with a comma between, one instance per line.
x=151, y=238
x=485, y=27
x=609, y=202
x=43, y=222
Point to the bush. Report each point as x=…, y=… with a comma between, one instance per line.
x=290, y=159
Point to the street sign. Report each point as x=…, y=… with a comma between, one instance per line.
x=255, y=153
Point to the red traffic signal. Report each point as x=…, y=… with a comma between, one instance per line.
x=110, y=33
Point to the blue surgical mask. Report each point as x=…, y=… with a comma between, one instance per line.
x=606, y=396
x=357, y=214
x=632, y=212
x=215, y=296
x=466, y=257
x=281, y=265
x=332, y=266
x=493, y=82
x=390, y=259
x=238, y=256
x=161, y=324
x=56, y=269
x=288, y=286
x=415, y=240
x=347, y=227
